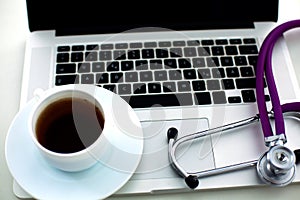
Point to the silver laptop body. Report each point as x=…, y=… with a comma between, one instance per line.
x=155, y=26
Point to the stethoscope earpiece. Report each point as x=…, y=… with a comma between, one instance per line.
x=192, y=181
x=172, y=133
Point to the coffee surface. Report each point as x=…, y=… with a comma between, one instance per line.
x=69, y=125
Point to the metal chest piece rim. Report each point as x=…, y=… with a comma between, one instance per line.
x=277, y=166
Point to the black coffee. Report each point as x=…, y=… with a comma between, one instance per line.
x=69, y=125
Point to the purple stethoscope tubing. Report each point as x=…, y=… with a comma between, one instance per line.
x=264, y=67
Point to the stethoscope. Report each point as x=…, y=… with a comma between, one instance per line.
x=277, y=166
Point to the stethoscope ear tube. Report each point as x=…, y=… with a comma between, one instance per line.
x=264, y=68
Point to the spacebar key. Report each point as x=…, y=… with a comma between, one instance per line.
x=159, y=100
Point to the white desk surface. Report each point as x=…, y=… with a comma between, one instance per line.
x=13, y=23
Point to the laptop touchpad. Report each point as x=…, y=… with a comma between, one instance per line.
x=193, y=155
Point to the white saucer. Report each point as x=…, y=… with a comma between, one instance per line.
x=42, y=181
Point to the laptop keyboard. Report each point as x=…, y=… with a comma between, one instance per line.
x=165, y=73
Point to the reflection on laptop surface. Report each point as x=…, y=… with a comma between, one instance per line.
x=181, y=65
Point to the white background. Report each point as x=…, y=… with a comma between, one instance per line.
x=13, y=31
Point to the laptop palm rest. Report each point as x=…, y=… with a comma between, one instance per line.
x=192, y=155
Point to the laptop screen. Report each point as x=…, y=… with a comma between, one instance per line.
x=96, y=16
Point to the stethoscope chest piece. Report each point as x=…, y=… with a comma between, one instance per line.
x=277, y=166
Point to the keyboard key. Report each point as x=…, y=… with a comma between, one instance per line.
x=84, y=67
x=77, y=57
x=249, y=41
x=139, y=88
x=199, y=85
x=218, y=73
x=228, y=84
x=131, y=77
x=176, y=52
x=77, y=48
x=246, y=71
x=119, y=55
x=160, y=100
x=203, y=51
x=107, y=46
x=124, y=89
x=121, y=46
x=232, y=72
x=207, y=42
x=116, y=77
x=235, y=41
x=105, y=55
x=162, y=53
x=184, y=63
x=234, y=99
x=217, y=51
x=110, y=87
x=231, y=50
x=190, y=52
x=252, y=60
x=243, y=83
x=156, y=64
x=248, y=49
x=204, y=73
x=146, y=76
x=150, y=44
x=65, y=68
x=240, y=60
x=184, y=86
x=170, y=63
x=212, y=62
x=133, y=54
x=160, y=75
x=219, y=97
x=66, y=79
x=189, y=74
x=169, y=87
x=147, y=53
x=62, y=57
x=102, y=78
x=179, y=43
x=126, y=65
x=193, y=42
x=175, y=75
x=63, y=48
x=91, y=56
x=248, y=96
x=213, y=85
x=221, y=42
x=202, y=98
x=92, y=47
x=226, y=61
x=98, y=67
x=154, y=87
x=87, y=79
x=141, y=65
x=136, y=45
x=113, y=66
x=198, y=62
x=164, y=44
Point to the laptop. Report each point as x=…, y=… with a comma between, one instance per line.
x=183, y=65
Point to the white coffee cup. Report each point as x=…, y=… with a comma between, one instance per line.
x=49, y=114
